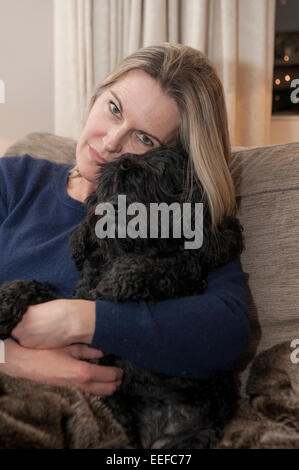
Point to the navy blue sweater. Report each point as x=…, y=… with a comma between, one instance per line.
x=188, y=337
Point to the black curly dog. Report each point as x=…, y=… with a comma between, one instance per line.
x=157, y=411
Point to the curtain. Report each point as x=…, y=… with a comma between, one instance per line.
x=237, y=35
x=74, y=80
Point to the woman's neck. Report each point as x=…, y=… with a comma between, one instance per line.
x=79, y=188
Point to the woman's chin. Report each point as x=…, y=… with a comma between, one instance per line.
x=89, y=173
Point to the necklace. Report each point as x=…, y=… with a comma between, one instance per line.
x=75, y=172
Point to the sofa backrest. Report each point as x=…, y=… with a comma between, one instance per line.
x=44, y=145
x=267, y=190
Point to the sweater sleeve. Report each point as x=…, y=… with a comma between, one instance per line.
x=3, y=198
x=186, y=337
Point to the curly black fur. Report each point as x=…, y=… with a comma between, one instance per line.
x=157, y=411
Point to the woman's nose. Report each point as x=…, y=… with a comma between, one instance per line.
x=113, y=142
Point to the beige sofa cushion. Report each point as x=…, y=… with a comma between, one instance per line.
x=267, y=189
x=44, y=145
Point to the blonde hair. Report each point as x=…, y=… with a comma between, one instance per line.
x=187, y=76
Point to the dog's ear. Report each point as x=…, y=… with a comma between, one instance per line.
x=224, y=245
x=232, y=236
x=228, y=243
x=78, y=244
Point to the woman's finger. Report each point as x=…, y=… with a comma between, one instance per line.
x=98, y=373
x=105, y=378
x=82, y=351
x=101, y=389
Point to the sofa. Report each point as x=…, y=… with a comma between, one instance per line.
x=267, y=191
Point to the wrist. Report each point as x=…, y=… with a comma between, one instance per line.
x=12, y=359
x=84, y=315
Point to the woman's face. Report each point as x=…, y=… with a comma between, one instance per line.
x=133, y=115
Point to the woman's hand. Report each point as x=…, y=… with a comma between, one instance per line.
x=61, y=367
x=56, y=324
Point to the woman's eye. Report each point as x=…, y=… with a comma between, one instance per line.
x=146, y=140
x=114, y=109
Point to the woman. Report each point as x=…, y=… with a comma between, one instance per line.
x=157, y=96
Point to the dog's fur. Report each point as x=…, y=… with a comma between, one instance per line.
x=156, y=411
x=269, y=417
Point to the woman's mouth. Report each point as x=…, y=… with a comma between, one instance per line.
x=95, y=156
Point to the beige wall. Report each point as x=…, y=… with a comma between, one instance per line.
x=284, y=129
x=26, y=67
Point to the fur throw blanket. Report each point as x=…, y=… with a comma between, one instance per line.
x=40, y=416
x=154, y=410
x=269, y=417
